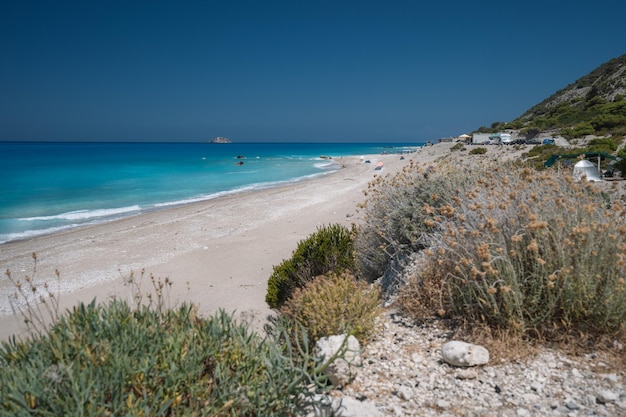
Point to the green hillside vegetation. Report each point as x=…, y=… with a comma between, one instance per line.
x=593, y=105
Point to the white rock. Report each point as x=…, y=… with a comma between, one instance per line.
x=351, y=407
x=404, y=393
x=606, y=396
x=459, y=353
x=343, y=370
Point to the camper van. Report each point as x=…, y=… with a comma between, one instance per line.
x=505, y=138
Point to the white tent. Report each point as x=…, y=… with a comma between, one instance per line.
x=586, y=169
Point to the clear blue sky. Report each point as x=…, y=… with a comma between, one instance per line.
x=316, y=70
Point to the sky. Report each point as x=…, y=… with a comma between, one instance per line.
x=289, y=71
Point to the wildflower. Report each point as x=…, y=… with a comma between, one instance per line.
x=429, y=223
x=533, y=246
x=446, y=210
x=475, y=272
x=541, y=262
x=505, y=289
x=536, y=225
x=492, y=290
x=483, y=251
x=516, y=238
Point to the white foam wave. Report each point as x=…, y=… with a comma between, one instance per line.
x=324, y=165
x=247, y=188
x=10, y=237
x=85, y=214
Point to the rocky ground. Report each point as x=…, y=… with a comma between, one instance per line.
x=403, y=375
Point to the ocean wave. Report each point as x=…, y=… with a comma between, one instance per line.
x=27, y=234
x=85, y=214
x=248, y=188
x=325, y=165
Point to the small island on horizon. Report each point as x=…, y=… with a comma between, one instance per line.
x=221, y=139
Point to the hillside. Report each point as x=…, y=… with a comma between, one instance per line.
x=592, y=105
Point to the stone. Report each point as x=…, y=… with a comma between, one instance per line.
x=572, y=405
x=459, y=353
x=404, y=393
x=351, y=407
x=606, y=396
x=343, y=369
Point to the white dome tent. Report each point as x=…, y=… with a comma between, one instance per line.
x=585, y=168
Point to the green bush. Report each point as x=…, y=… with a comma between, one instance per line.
x=478, y=151
x=113, y=360
x=460, y=146
x=330, y=249
x=334, y=304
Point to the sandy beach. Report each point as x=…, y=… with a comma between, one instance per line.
x=218, y=253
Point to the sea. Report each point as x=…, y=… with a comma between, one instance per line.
x=47, y=187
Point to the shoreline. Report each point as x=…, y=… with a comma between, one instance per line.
x=218, y=253
x=177, y=204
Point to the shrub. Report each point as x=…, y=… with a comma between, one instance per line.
x=330, y=249
x=458, y=147
x=478, y=151
x=334, y=304
x=527, y=251
x=113, y=360
x=395, y=215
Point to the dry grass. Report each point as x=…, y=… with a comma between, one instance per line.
x=334, y=304
x=526, y=254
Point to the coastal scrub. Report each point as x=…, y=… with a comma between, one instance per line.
x=531, y=252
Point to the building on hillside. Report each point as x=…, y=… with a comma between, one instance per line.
x=481, y=138
x=499, y=138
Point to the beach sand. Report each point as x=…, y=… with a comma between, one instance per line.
x=218, y=253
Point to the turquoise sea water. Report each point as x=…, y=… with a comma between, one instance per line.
x=48, y=187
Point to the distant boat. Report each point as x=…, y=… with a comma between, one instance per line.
x=379, y=166
x=241, y=157
x=220, y=139
x=239, y=163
